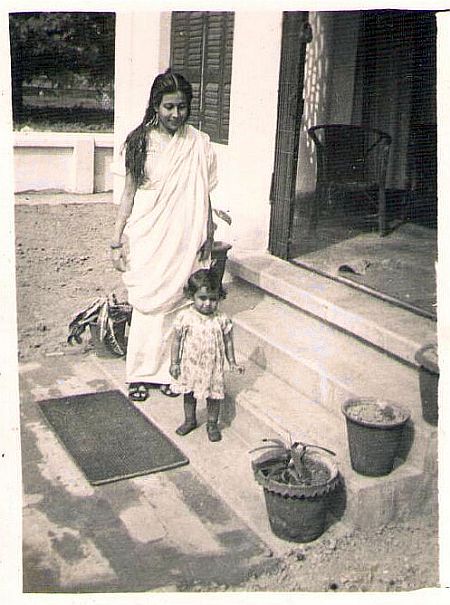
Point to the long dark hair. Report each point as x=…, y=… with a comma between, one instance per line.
x=135, y=143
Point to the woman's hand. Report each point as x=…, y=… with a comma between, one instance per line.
x=237, y=368
x=206, y=250
x=118, y=259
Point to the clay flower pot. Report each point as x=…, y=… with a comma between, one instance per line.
x=296, y=505
x=374, y=431
x=219, y=257
x=427, y=357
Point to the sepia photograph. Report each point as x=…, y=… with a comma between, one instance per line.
x=223, y=344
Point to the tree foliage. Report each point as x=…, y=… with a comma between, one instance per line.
x=60, y=46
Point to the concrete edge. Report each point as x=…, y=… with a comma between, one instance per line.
x=395, y=331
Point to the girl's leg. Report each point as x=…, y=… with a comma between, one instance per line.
x=213, y=409
x=190, y=418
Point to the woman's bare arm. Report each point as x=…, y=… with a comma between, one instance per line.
x=123, y=212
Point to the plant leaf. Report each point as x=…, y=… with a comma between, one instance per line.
x=102, y=321
x=222, y=215
x=277, y=441
x=267, y=447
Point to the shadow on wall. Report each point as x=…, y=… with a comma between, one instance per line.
x=315, y=93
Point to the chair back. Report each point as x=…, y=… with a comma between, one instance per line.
x=349, y=154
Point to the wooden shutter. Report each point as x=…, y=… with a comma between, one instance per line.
x=187, y=54
x=202, y=49
x=217, y=75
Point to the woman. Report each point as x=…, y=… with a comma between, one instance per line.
x=165, y=219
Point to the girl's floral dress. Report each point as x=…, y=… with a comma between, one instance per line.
x=202, y=351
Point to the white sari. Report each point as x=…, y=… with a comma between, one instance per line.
x=165, y=231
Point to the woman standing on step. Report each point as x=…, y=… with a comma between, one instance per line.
x=164, y=229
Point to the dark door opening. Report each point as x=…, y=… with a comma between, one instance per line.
x=394, y=91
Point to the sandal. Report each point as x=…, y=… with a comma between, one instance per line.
x=167, y=391
x=138, y=391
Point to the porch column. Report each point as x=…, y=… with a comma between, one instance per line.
x=141, y=45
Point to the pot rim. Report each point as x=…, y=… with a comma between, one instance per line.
x=302, y=491
x=402, y=412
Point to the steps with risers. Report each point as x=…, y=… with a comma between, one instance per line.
x=300, y=368
x=325, y=365
x=386, y=326
x=246, y=419
x=268, y=407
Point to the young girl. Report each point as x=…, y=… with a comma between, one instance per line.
x=202, y=340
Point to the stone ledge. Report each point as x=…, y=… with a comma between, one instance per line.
x=61, y=139
x=391, y=329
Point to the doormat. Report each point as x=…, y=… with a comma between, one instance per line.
x=109, y=438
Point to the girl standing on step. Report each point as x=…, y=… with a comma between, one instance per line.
x=202, y=340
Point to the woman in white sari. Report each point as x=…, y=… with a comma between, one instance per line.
x=164, y=230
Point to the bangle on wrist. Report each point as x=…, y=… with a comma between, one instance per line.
x=116, y=246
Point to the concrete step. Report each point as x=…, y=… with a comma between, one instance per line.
x=260, y=406
x=269, y=407
x=225, y=466
x=394, y=330
x=324, y=364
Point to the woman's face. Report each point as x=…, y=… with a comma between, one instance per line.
x=172, y=111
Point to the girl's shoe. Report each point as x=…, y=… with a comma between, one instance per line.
x=190, y=417
x=138, y=391
x=186, y=427
x=213, y=431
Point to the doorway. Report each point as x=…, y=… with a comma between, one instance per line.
x=394, y=89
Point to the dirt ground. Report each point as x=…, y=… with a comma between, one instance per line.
x=63, y=264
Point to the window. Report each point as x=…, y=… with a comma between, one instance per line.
x=202, y=50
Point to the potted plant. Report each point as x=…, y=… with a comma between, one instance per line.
x=374, y=431
x=298, y=481
x=107, y=320
x=427, y=358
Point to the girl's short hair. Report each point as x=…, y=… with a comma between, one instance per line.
x=205, y=278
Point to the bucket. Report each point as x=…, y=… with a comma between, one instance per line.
x=106, y=347
x=427, y=358
x=374, y=443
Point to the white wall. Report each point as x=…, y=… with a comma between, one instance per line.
x=138, y=51
x=72, y=162
x=246, y=163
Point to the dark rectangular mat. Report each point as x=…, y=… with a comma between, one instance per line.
x=109, y=438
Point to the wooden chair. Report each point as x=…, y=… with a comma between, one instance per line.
x=351, y=159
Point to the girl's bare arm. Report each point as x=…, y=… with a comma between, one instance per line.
x=175, y=357
x=229, y=352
